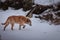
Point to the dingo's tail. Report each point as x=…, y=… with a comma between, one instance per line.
x=3, y=23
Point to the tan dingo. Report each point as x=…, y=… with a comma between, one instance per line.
x=21, y=20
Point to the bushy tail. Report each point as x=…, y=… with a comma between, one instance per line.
x=5, y=22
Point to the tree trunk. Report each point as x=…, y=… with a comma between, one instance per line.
x=30, y=14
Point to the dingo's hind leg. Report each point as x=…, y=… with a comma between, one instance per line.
x=6, y=26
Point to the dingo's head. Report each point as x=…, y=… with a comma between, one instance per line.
x=29, y=22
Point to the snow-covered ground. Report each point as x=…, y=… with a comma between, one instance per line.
x=38, y=30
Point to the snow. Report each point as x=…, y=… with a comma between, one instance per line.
x=38, y=30
x=46, y=2
x=3, y=0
